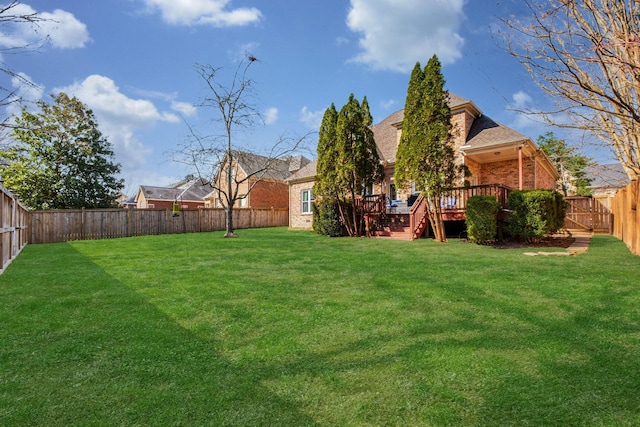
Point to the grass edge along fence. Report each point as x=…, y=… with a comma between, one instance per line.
x=14, y=220
x=626, y=216
x=53, y=226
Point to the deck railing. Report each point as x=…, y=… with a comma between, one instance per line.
x=455, y=200
x=457, y=197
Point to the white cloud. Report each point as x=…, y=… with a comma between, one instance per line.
x=270, y=116
x=203, y=12
x=521, y=100
x=61, y=28
x=341, y=41
x=119, y=117
x=395, y=34
x=184, y=108
x=26, y=91
x=388, y=104
x=64, y=30
x=312, y=119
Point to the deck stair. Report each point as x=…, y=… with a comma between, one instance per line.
x=418, y=219
x=393, y=226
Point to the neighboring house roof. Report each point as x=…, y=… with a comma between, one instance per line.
x=278, y=169
x=193, y=193
x=611, y=175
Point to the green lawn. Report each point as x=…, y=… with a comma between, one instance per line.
x=283, y=328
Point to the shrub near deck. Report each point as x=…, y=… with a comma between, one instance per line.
x=482, y=218
x=293, y=328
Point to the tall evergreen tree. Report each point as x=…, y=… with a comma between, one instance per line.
x=59, y=158
x=426, y=153
x=325, y=184
x=348, y=161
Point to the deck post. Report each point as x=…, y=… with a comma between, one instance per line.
x=520, y=168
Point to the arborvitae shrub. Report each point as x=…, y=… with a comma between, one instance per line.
x=481, y=218
x=326, y=219
x=535, y=214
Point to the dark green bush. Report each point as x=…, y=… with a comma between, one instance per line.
x=481, y=218
x=534, y=214
x=326, y=219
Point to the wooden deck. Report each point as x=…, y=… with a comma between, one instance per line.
x=390, y=222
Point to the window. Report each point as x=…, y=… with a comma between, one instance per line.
x=307, y=200
x=242, y=200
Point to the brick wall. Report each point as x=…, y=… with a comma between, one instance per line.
x=506, y=173
x=298, y=220
x=544, y=179
x=269, y=194
x=475, y=169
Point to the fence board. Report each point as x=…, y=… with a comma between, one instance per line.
x=587, y=213
x=89, y=224
x=13, y=228
x=626, y=216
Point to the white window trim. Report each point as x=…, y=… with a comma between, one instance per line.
x=308, y=203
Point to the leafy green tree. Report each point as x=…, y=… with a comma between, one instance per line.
x=59, y=158
x=569, y=162
x=426, y=153
x=348, y=161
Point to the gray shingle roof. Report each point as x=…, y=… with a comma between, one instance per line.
x=279, y=169
x=611, y=175
x=194, y=193
x=485, y=133
x=386, y=135
x=307, y=171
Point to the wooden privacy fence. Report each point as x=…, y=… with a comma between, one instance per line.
x=91, y=224
x=587, y=213
x=626, y=216
x=13, y=227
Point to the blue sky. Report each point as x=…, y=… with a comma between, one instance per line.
x=132, y=62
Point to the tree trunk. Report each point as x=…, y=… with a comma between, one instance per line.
x=434, y=210
x=229, y=222
x=344, y=216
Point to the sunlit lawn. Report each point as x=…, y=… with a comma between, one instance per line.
x=284, y=328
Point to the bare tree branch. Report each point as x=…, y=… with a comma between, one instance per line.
x=215, y=158
x=585, y=54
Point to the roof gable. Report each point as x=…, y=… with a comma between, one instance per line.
x=486, y=132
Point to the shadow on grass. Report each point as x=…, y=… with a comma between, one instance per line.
x=82, y=348
x=541, y=363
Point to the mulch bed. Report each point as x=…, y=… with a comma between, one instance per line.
x=554, y=241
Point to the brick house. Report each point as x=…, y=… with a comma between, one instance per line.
x=188, y=194
x=262, y=181
x=499, y=159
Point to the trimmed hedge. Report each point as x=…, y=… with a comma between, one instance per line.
x=326, y=219
x=535, y=214
x=482, y=218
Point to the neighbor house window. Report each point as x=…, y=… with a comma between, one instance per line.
x=242, y=200
x=307, y=200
